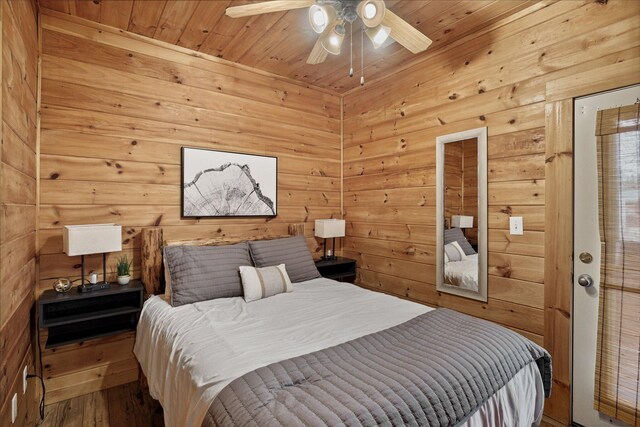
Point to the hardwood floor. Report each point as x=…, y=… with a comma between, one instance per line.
x=127, y=405
x=123, y=406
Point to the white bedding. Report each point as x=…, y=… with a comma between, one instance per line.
x=463, y=274
x=190, y=353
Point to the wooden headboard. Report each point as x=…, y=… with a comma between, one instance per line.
x=153, y=242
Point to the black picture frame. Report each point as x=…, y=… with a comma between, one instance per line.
x=240, y=155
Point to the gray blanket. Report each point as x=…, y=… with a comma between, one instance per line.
x=434, y=370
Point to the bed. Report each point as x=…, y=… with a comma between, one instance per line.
x=463, y=274
x=193, y=354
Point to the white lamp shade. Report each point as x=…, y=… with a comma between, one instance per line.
x=92, y=239
x=328, y=228
x=461, y=221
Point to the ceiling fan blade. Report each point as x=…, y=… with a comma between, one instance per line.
x=405, y=34
x=318, y=53
x=266, y=7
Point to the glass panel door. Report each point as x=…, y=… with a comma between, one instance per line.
x=617, y=357
x=605, y=243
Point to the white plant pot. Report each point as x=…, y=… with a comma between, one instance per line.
x=123, y=280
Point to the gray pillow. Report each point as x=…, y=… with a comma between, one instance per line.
x=200, y=273
x=293, y=252
x=455, y=235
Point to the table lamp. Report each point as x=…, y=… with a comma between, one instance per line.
x=461, y=221
x=92, y=239
x=327, y=229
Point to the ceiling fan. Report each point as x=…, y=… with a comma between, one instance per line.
x=328, y=19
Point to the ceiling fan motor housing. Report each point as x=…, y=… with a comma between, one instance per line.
x=346, y=10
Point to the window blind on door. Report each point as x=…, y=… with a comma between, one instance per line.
x=617, y=379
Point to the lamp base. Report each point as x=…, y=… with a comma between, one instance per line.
x=94, y=287
x=329, y=258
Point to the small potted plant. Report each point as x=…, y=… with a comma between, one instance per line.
x=123, y=268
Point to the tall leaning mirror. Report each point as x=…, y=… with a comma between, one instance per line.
x=461, y=211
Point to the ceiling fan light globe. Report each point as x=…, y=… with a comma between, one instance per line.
x=371, y=12
x=320, y=17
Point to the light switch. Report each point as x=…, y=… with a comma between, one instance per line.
x=515, y=226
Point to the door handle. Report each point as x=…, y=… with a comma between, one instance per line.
x=585, y=280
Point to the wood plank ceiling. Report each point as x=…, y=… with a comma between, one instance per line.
x=280, y=42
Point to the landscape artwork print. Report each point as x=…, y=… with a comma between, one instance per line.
x=223, y=184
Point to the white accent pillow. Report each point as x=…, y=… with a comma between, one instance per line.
x=258, y=283
x=453, y=252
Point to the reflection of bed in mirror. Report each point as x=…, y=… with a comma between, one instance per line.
x=463, y=274
x=460, y=259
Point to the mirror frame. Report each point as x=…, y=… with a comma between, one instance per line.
x=481, y=135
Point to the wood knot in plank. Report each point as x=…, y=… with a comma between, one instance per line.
x=504, y=270
x=507, y=210
x=409, y=251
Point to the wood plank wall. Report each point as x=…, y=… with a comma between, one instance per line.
x=453, y=181
x=116, y=108
x=470, y=188
x=18, y=206
x=496, y=79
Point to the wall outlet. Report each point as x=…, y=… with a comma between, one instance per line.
x=516, y=226
x=24, y=380
x=14, y=408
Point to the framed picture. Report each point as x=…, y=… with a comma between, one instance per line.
x=224, y=184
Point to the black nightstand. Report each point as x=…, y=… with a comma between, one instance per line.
x=340, y=269
x=74, y=316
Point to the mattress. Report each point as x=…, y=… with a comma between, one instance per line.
x=463, y=274
x=190, y=353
